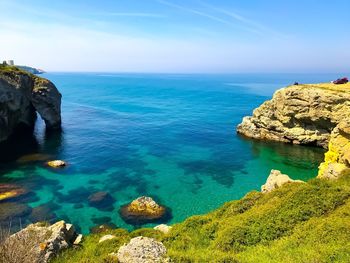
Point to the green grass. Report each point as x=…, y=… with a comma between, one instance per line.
x=296, y=223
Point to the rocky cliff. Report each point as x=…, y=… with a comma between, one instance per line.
x=21, y=95
x=300, y=114
x=337, y=159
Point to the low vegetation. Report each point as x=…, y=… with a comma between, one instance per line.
x=297, y=223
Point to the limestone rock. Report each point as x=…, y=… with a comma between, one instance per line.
x=56, y=164
x=142, y=210
x=78, y=240
x=40, y=243
x=337, y=159
x=102, y=228
x=300, y=114
x=275, y=180
x=21, y=94
x=10, y=211
x=106, y=237
x=163, y=228
x=142, y=250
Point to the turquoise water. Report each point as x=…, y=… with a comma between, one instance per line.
x=171, y=137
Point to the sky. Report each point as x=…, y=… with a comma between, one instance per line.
x=187, y=36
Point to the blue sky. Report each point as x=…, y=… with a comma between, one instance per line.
x=222, y=36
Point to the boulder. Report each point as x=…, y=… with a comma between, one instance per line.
x=165, y=229
x=22, y=94
x=142, y=250
x=142, y=210
x=39, y=243
x=275, y=180
x=57, y=164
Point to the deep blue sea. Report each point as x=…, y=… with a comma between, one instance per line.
x=171, y=137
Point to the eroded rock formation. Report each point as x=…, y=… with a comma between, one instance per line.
x=21, y=95
x=300, y=114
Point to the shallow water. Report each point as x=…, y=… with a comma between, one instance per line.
x=171, y=137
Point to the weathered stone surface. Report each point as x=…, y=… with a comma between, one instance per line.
x=21, y=94
x=106, y=237
x=163, y=228
x=57, y=164
x=40, y=243
x=142, y=250
x=337, y=159
x=142, y=210
x=275, y=180
x=301, y=114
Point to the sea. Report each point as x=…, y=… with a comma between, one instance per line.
x=168, y=136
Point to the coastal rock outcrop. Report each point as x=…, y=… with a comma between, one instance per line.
x=142, y=210
x=275, y=180
x=21, y=95
x=299, y=114
x=337, y=159
x=39, y=243
x=142, y=250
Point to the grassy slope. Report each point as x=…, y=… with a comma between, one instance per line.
x=297, y=223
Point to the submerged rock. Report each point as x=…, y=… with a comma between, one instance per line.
x=22, y=94
x=10, y=211
x=40, y=243
x=11, y=191
x=142, y=210
x=142, y=250
x=275, y=180
x=337, y=159
x=302, y=114
x=57, y=164
x=101, y=200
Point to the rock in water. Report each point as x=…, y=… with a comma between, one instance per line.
x=303, y=114
x=142, y=210
x=101, y=200
x=275, y=180
x=56, y=164
x=11, y=191
x=21, y=94
x=337, y=159
x=39, y=243
x=142, y=250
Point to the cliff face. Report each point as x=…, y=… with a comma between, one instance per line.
x=337, y=159
x=21, y=95
x=302, y=114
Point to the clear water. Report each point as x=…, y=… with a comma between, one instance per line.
x=171, y=137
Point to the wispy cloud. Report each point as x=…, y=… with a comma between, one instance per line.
x=121, y=14
x=256, y=26
x=203, y=14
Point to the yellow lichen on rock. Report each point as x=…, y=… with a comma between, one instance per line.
x=337, y=159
